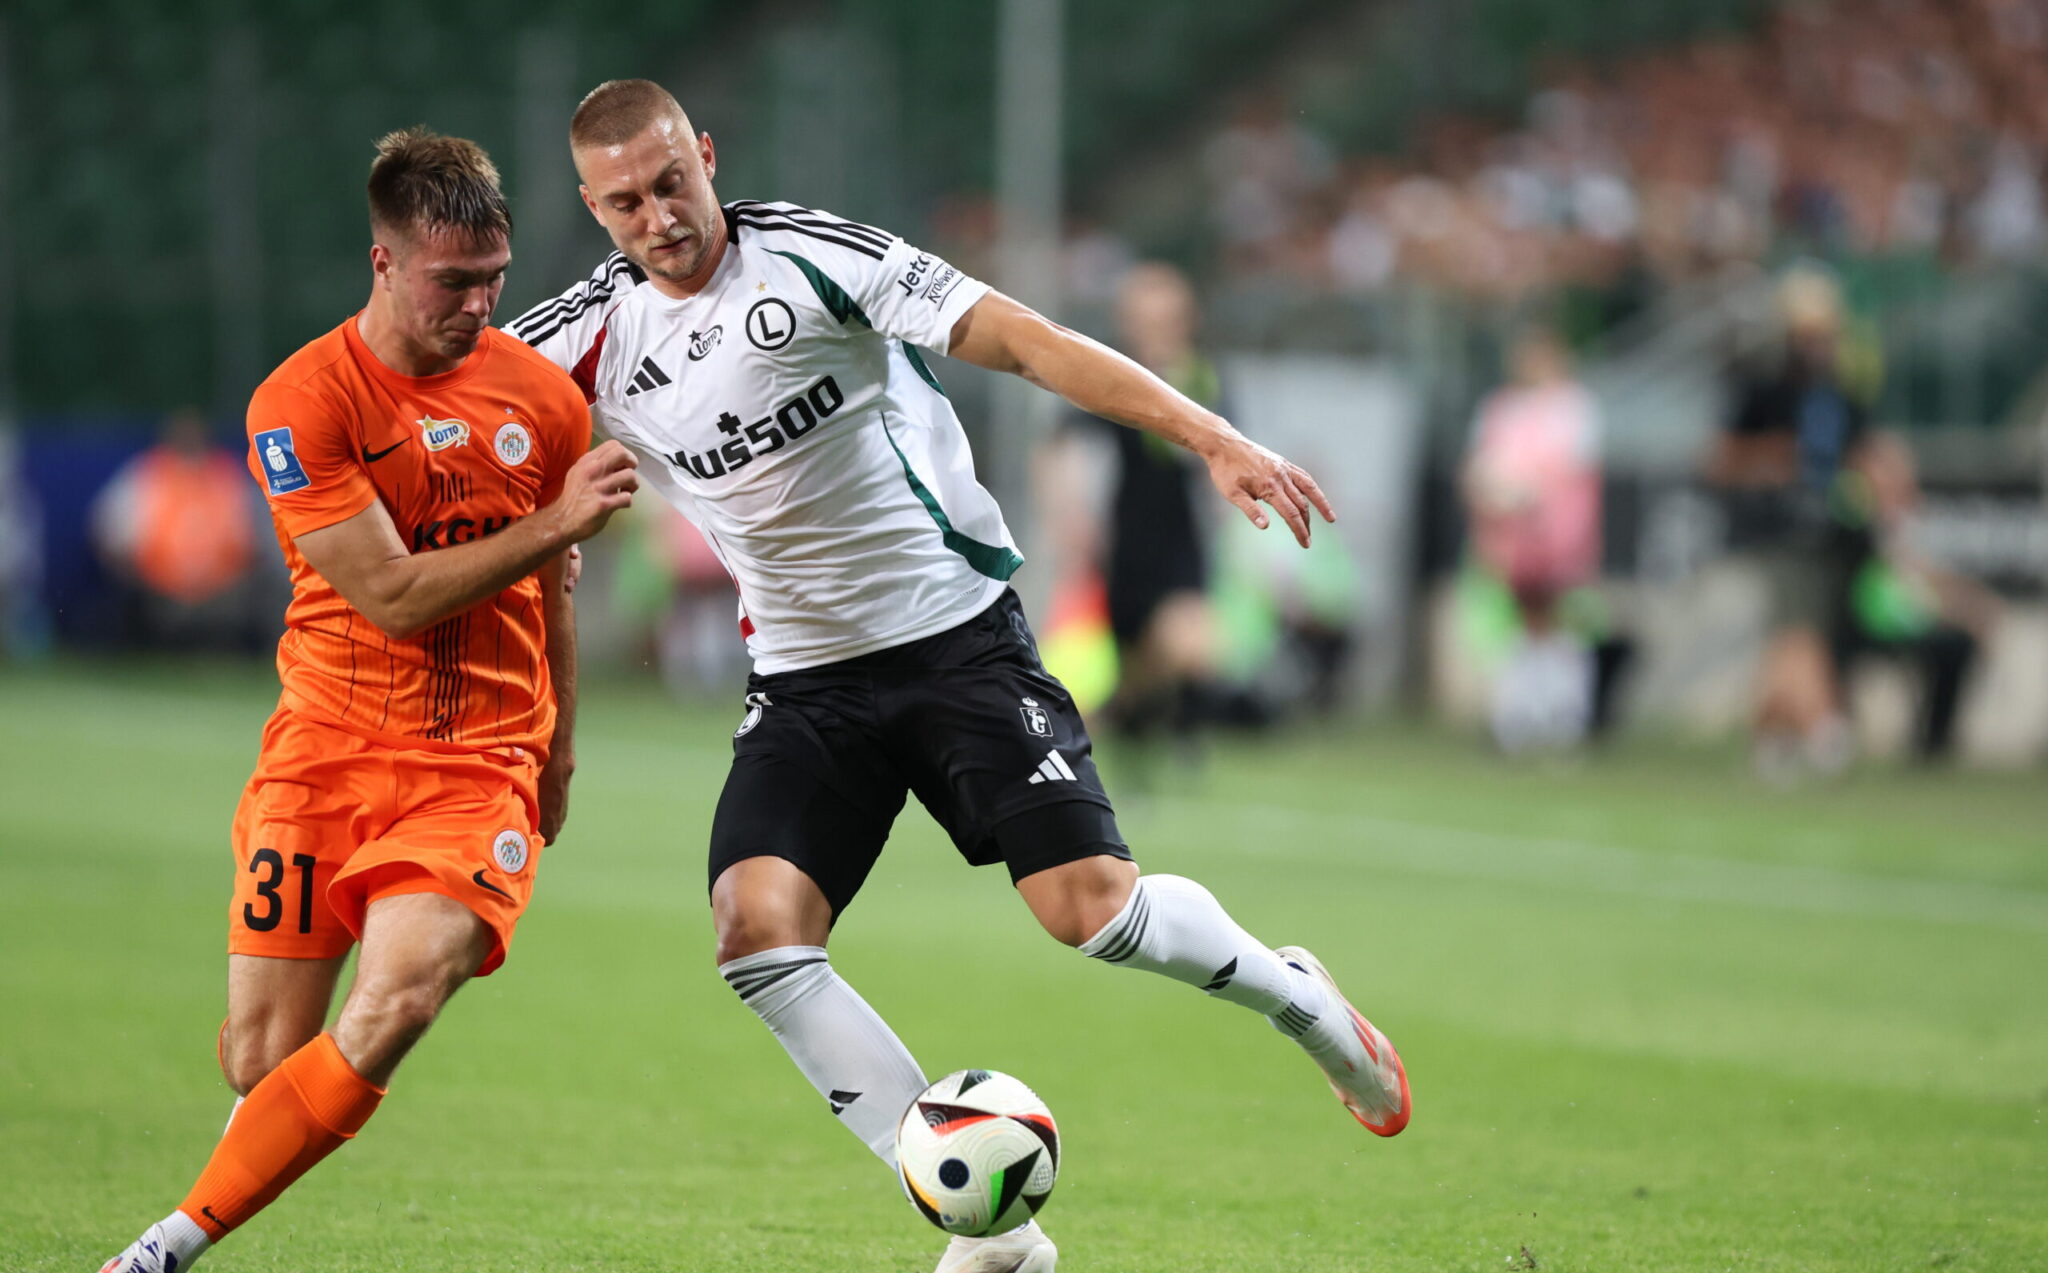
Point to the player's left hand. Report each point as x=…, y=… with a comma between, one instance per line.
x=554, y=795
x=574, y=570
x=1247, y=473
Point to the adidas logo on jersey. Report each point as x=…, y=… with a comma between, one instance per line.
x=648, y=377
x=1054, y=768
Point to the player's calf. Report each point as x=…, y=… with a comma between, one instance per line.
x=418, y=949
x=275, y=1007
x=842, y=1045
x=1176, y=928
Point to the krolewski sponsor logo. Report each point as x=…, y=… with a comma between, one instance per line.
x=439, y=435
x=1036, y=719
x=788, y=423
x=929, y=278
x=702, y=343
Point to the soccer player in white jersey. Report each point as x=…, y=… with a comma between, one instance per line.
x=762, y=361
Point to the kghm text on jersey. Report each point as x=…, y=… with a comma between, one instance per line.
x=786, y=424
x=455, y=530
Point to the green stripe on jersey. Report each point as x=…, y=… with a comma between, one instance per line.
x=924, y=372
x=987, y=559
x=836, y=300
x=842, y=307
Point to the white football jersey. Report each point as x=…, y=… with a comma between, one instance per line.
x=786, y=412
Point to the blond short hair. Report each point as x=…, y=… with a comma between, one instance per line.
x=617, y=111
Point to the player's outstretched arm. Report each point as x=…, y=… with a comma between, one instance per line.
x=1002, y=335
x=404, y=593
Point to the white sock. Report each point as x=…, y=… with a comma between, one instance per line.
x=1175, y=927
x=847, y=1051
x=184, y=1237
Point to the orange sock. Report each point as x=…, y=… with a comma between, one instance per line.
x=296, y=1116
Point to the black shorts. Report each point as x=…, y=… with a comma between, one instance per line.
x=968, y=719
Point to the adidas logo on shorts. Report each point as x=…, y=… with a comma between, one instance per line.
x=1053, y=768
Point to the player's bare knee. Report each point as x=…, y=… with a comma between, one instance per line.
x=749, y=932
x=1080, y=919
x=765, y=904
x=1067, y=929
x=250, y=1050
x=247, y=1058
x=1076, y=901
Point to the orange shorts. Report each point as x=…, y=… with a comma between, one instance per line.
x=331, y=821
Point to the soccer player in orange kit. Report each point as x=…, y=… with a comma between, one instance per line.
x=427, y=475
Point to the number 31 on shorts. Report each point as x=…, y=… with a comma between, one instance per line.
x=264, y=913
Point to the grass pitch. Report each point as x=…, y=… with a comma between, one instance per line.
x=1656, y=1017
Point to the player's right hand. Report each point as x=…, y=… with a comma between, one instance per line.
x=1245, y=473
x=598, y=485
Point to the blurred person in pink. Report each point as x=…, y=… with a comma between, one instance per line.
x=1531, y=485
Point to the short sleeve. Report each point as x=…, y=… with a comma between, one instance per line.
x=918, y=297
x=864, y=274
x=305, y=461
x=569, y=435
x=569, y=330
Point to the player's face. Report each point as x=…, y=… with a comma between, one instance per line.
x=653, y=195
x=442, y=286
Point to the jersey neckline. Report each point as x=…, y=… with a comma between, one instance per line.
x=712, y=286
x=376, y=367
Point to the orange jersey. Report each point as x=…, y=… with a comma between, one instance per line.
x=453, y=457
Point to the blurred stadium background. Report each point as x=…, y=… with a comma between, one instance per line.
x=1373, y=198
x=1380, y=204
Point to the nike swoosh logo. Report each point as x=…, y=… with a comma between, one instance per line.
x=208, y=1213
x=371, y=457
x=479, y=878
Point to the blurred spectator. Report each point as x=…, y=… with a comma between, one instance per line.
x=1267, y=170
x=23, y=627
x=1531, y=485
x=1855, y=126
x=1796, y=429
x=1155, y=554
x=1902, y=606
x=176, y=527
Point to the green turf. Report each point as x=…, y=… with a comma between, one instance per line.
x=1657, y=1018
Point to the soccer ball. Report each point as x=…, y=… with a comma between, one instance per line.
x=978, y=1153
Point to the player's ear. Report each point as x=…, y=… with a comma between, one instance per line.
x=380, y=264
x=590, y=203
x=709, y=153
